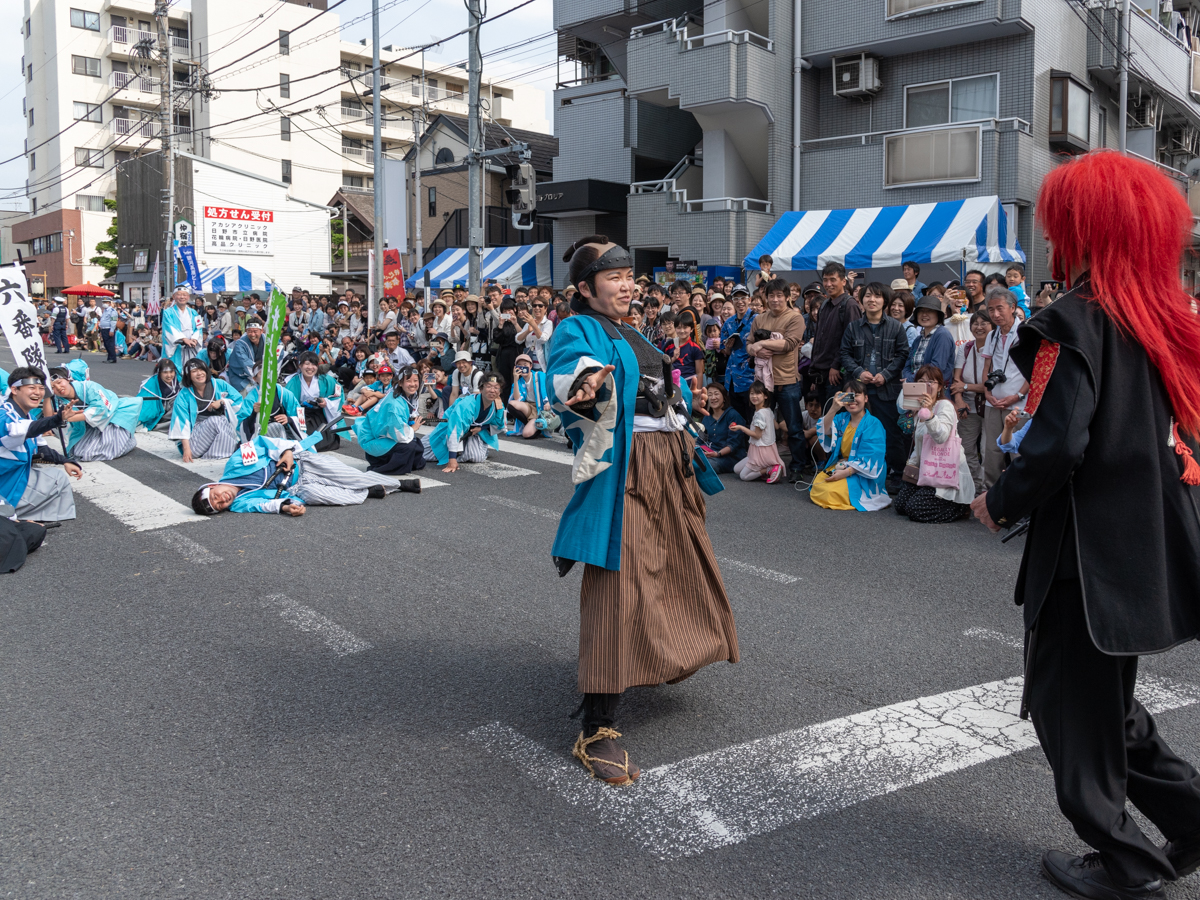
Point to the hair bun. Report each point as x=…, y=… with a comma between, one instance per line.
x=584, y=241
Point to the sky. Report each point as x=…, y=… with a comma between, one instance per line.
x=402, y=23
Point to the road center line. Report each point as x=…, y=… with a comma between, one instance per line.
x=987, y=634
x=728, y=796
x=189, y=548
x=140, y=507
x=747, y=569
x=523, y=507
x=335, y=637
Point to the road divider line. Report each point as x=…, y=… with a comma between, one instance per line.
x=334, y=636
x=987, y=634
x=140, y=507
x=189, y=548
x=747, y=569
x=731, y=795
x=524, y=507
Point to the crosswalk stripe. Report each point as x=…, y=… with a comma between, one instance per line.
x=758, y=571
x=523, y=507
x=496, y=470
x=197, y=553
x=730, y=795
x=333, y=635
x=140, y=507
x=522, y=448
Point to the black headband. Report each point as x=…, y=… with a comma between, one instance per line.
x=24, y=382
x=614, y=258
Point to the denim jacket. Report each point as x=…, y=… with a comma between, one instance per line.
x=893, y=353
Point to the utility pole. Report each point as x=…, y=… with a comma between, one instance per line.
x=1123, y=62
x=345, y=248
x=377, y=146
x=418, y=217
x=474, y=149
x=166, y=120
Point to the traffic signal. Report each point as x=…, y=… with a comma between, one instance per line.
x=522, y=194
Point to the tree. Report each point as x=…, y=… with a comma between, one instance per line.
x=106, y=251
x=336, y=239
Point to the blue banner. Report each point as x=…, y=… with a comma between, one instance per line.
x=188, y=254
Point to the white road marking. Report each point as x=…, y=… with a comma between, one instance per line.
x=530, y=449
x=728, y=796
x=140, y=507
x=987, y=634
x=495, y=469
x=524, y=507
x=747, y=569
x=158, y=444
x=335, y=637
x=189, y=548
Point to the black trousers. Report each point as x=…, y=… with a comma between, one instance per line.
x=110, y=344
x=898, y=443
x=402, y=459
x=1102, y=744
x=740, y=401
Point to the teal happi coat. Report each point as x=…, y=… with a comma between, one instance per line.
x=153, y=407
x=253, y=477
x=287, y=400
x=459, y=420
x=590, y=528
x=867, y=458
x=183, y=415
x=327, y=387
x=102, y=408
x=386, y=424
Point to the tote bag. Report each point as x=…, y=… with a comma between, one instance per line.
x=939, y=462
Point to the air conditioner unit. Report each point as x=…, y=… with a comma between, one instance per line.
x=856, y=76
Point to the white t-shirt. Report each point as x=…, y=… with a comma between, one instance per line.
x=537, y=338
x=764, y=419
x=969, y=358
x=999, y=347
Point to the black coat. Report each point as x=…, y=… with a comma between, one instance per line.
x=893, y=353
x=1095, y=469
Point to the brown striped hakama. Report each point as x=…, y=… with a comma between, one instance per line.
x=665, y=614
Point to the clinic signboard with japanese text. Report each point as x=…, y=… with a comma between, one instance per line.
x=235, y=230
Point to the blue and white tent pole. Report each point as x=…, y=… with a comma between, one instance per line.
x=960, y=232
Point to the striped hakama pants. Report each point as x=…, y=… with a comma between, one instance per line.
x=213, y=438
x=99, y=444
x=665, y=614
x=474, y=450
x=325, y=481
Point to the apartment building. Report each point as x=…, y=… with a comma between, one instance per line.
x=903, y=102
x=256, y=87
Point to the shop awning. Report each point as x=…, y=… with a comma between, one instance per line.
x=973, y=230
x=229, y=278
x=509, y=266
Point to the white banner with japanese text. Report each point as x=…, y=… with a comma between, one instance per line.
x=229, y=229
x=18, y=319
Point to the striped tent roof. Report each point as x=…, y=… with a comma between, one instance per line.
x=230, y=278
x=510, y=266
x=971, y=230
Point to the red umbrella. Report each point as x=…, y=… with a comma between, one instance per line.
x=87, y=289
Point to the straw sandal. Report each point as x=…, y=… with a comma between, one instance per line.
x=603, y=759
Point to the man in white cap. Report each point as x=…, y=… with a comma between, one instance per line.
x=465, y=379
x=245, y=356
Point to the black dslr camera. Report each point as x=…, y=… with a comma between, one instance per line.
x=995, y=377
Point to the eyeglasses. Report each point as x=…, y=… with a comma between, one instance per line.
x=537, y=305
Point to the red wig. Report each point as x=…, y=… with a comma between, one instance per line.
x=1127, y=223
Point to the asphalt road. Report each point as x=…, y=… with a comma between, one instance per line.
x=295, y=718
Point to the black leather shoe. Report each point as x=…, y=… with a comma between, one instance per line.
x=410, y=486
x=1184, y=855
x=1085, y=876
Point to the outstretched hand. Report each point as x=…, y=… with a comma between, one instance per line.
x=589, y=386
x=979, y=508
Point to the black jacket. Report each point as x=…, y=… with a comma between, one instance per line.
x=835, y=314
x=893, y=353
x=1095, y=471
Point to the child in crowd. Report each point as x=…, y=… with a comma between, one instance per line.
x=763, y=458
x=714, y=359
x=685, y=353
x=1014, y=276
x=811, y=422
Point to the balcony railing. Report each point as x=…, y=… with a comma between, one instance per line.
x=1195, y=77
x=144, y=128
x=735, y=204
x=728, y=36
x=933, y=156
x=350, y=113
x=353, y=151
x=132, y=82
x=123, y=34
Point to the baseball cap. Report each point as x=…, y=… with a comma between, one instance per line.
x=738, y=289
x=814, y=287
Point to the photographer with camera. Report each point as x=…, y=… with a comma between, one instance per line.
x=937, y=487
x=968, y=393
x=857, y=446
x=1005, y=389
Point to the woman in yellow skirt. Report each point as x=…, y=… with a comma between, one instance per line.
x=855, y=474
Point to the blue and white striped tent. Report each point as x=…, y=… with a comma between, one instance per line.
x=229, y=278
x=972, y=231
x=510, y=266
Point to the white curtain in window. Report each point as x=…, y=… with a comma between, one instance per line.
x=929, y=105
x=973, y=98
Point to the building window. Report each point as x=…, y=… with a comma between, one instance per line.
x=89, y=21
x=416, y=85
x=284, y=43
x=286, y=176
x=28, y=27
x=285, y=128
x=957, y=100
x=932, y=157
x=32, y=161
x=50, y=243
x=1070, y=114
x=86, y=156
x=897, y=8
x=87, y=112
x=30, y=74
x=432, y=87
x=352, y=181
x=433, y=201
x=122, y=155
x=85, y=65
x=31, y=117
x=89, y=202
x=285, y=85
x=445, y=157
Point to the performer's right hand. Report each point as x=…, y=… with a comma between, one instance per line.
x=589, y=386
x=73, y=469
